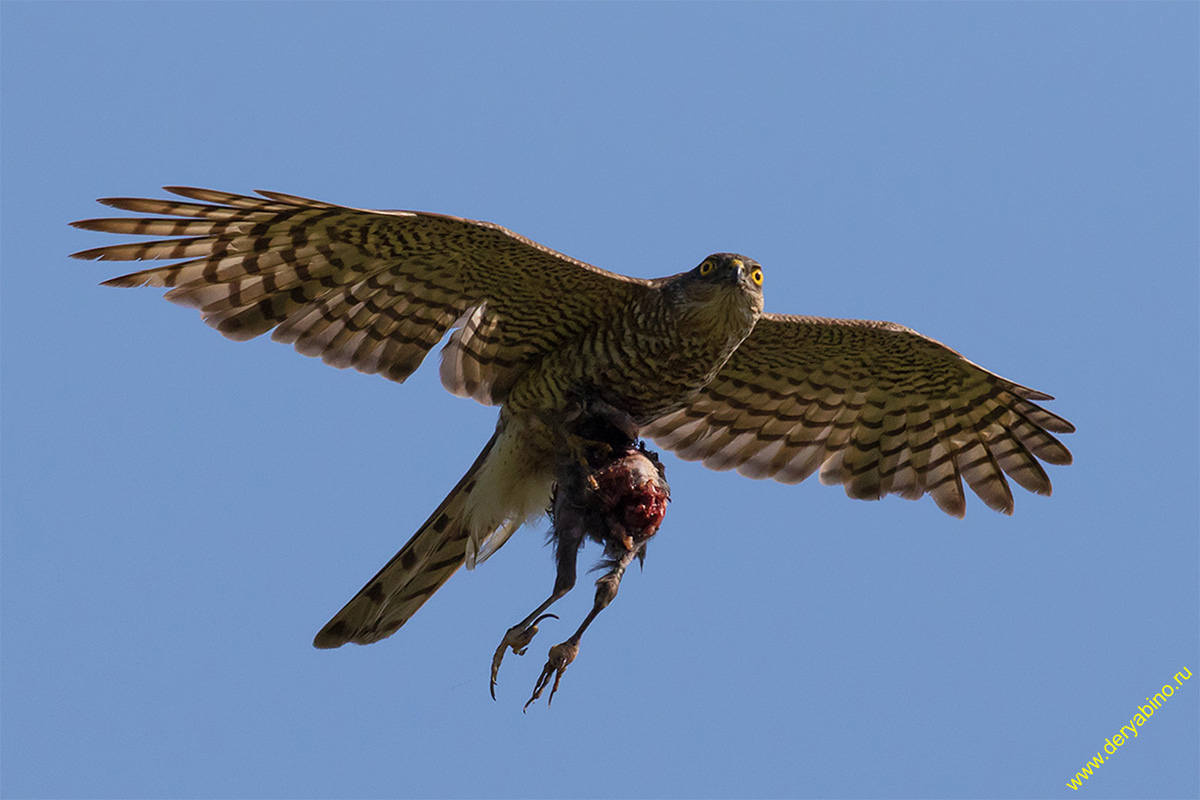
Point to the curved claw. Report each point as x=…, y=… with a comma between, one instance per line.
x=518, y=638
x=561, y=655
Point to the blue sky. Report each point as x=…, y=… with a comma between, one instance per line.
x=181, y=513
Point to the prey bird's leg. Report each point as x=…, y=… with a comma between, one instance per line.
x=520, y=635
x=561, y=655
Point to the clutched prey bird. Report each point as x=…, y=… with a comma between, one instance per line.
x=583, y=364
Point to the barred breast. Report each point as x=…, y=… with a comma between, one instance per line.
x=648, y=361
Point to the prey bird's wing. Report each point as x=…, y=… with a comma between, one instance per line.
x=873, y=406
x=373, y=290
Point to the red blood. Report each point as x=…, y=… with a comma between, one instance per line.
x=635, y=496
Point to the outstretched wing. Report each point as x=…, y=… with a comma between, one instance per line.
x=874, y=406
x=373, y=290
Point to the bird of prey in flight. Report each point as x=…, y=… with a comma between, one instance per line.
x=584, y=364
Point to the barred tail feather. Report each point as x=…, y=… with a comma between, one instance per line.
x=431, y=556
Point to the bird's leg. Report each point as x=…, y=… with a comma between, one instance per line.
x=520, y=635
x=573, y=480
x=561, y=655
x=607, y=488
x=623, y=506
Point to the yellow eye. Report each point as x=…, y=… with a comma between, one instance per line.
x=706, y=268
x=756, y=276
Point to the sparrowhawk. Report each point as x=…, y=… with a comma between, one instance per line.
x=690, y=361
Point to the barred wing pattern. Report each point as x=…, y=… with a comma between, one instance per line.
x=874, y=406
x=373, y=290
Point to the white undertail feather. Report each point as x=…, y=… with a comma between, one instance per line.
x=513, y=487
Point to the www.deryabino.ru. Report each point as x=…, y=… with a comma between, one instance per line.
x=1113, y=742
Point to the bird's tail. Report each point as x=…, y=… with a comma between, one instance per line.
x=431, y=556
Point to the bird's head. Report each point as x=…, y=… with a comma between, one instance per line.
x=724, y=289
